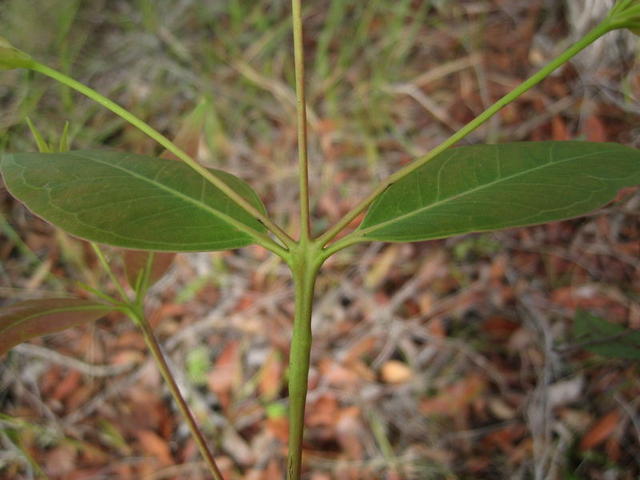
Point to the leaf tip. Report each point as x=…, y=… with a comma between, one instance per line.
x=12, y=58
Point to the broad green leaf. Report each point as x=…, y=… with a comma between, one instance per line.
x=131, y=201
x=188, y=139
x=489, y=187
x=33, y=318
x=605, y=338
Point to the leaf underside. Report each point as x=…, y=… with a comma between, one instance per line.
x=33, y=318
x=490, y=187
x=187, y=139
x=131, y=201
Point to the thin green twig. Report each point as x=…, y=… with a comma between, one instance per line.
x=107, y=268
x=152, y=343
x=135, y=311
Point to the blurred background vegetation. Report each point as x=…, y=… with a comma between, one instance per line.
x=449, y=359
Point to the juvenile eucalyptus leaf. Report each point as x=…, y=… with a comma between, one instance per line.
x=131, y=201
x=33, y=318
x=490, y=187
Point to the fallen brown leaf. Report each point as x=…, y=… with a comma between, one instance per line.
x=155, y=446
x=600, y=431
x=455, y=398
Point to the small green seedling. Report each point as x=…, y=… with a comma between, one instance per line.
x=152, y=205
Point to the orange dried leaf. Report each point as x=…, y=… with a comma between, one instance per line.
x=596, y=131
x=323, y=412
x=338, y=375
x=155, y=446
x=559, y=129
x=226, y=373
x=67, y=386
x=455, y=398
x=600, y=431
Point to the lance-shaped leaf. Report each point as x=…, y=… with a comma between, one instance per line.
x=489, y=187
x=33, y=318
x=131, y=201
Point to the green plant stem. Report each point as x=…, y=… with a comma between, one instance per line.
x=261, y=238
x=304, y=267
x=301, y=108
x=135, y=311
x=584, y=42
x=140, y=320
x=142, y=286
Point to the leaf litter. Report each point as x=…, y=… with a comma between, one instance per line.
x=446, y=359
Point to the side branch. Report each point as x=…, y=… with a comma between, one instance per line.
x=587, y=40
x=182, y=155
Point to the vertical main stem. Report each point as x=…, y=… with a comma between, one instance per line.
x=301, y=108
x=304, y=277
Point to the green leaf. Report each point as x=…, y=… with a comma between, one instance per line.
x=135, y=261
x=625, y=14
x=63, y=144
x=489, y=187
x=33, y=318
x=606, y=338
x=131, y=201
x=41, y=143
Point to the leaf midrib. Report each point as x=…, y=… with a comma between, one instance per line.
x=240, y=227
x=407, y=215
x=53, y=311
x=198, y=203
